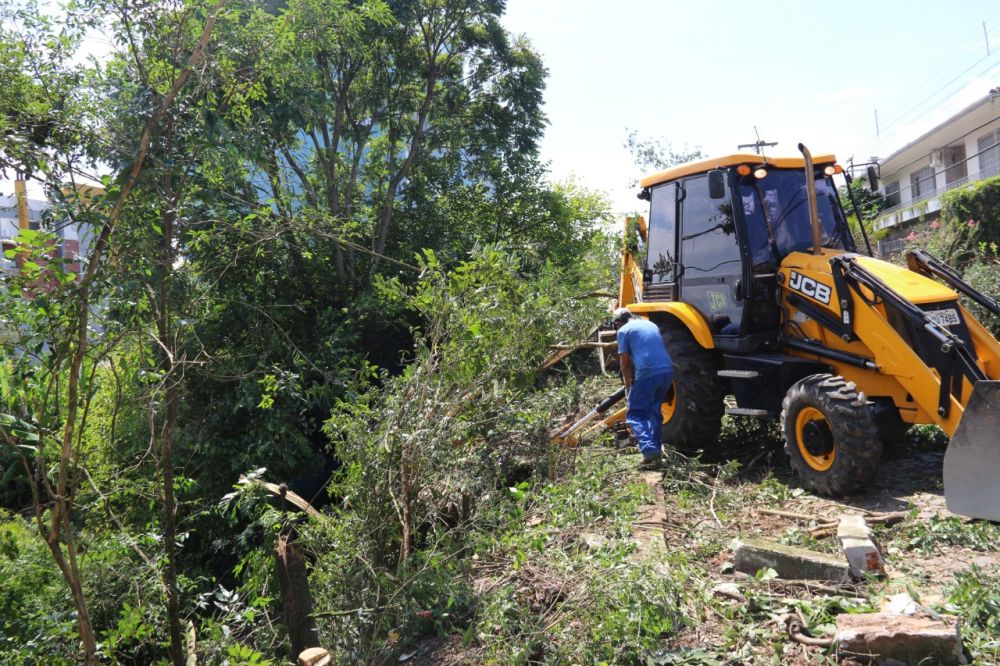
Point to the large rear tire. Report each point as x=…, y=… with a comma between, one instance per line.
x=831, y=436
x=692, y=411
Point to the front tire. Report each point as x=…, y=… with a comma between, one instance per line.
x=831, y=436
x=692, y=411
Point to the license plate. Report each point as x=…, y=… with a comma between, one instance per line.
x=947, y=317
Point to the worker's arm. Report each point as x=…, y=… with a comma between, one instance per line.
x=627, y=370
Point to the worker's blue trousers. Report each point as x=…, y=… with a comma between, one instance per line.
x=643, y=415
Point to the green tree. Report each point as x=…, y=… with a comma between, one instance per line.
x=293, y=191
x=869, y=203
x=652, y=155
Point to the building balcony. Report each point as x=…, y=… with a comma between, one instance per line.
x=922, y=205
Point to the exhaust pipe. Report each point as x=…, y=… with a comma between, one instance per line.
x=811, y=197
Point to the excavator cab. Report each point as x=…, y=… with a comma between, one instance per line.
x=717, y=238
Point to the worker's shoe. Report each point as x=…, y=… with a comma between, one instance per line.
x=650, y=460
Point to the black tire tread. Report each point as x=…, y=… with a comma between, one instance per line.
x=855, y=432
x=697, y=421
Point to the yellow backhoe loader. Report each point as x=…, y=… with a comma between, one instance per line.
x=748, y=267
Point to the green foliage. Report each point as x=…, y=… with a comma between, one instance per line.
x=927, y=537
x=870, y=203
x=420, y=454
x=976, y=205
x=36, y=624
x=633, y=241
x=961, y=244
x=241, y=655
x=261, y=277
x=975, y=596
x=653, y=155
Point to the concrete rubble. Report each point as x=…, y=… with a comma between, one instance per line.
x=314, y=656
x=862, y=555
x=900, y=604
x=788, y=561
x=911, y=639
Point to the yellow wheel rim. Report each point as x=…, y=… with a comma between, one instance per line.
x=669, y=405
x=808, y=423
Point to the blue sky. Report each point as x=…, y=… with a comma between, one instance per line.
x=705, y=73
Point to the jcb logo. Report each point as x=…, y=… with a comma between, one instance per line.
x=809, y=287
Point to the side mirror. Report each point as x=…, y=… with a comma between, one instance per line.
x=716, y=184
x=873, y=178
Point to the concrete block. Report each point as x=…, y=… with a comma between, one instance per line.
x=912, y=639
x=790, y=562
x=859, y=549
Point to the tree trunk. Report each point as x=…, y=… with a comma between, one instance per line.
x=170, y=525
x=71, y=574
x=416, y=141
x=168, y=351
x=296, y=599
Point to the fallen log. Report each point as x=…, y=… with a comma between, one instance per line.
x=830, y=529
x=284, y=493
x=794, y=516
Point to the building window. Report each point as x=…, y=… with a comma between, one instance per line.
x=922, y=183
x=892, y=194
x=989, y=155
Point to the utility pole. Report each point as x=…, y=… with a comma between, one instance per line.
x=21, y=195
x=23, y=222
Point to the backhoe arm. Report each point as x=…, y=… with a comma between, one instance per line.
x=951, y=378
x=936, y=367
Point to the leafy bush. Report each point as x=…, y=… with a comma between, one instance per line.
x=35, y=623
x=421, y=454
x=979, y=204
x=975, y=596
x=967, y=244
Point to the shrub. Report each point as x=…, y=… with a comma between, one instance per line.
x=979, y=204
x=419, y=453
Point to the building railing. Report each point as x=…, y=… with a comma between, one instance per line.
x=936, y=192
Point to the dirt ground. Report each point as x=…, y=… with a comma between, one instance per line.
x=908, y=479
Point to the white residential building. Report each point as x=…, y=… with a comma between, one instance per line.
x=963, y=149
x=73, y=240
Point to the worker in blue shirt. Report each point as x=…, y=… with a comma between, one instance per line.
x=648, y=373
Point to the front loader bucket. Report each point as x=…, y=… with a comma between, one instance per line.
x=972, y=460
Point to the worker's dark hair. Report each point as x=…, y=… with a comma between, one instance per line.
x=620, y=316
